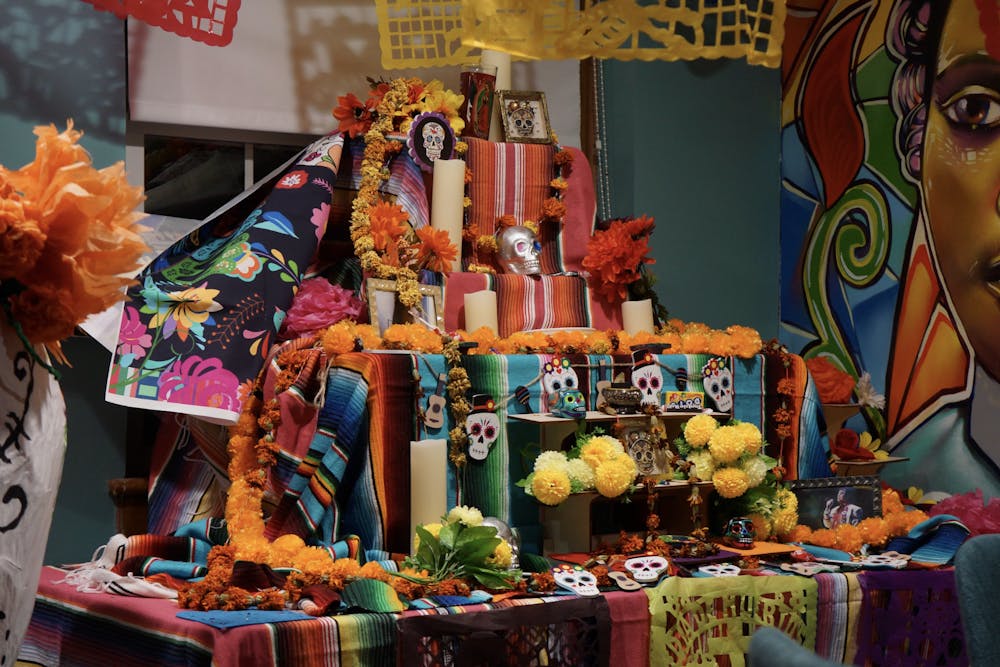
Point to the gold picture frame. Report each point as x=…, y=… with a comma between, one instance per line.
x=384, y=308
x=525, y=116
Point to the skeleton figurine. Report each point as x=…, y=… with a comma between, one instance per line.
x=433, y=135
x=517, y=250
x=482, y=426
x=521, y=117
x=718, y=381
x=647, y=377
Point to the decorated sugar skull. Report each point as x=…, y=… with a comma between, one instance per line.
x=433, y=136
x=517, y=250
x=562, y=389
x=888, y=560
x=739, y=533
x=575, y=579
x=718, y=380
x=521, y=116
x=647, y=376
x=482, y=426
x=640, y=448
x=720, y=570
x=646, y=569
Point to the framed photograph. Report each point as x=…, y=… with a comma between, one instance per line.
x=384, y=308
x=828, y=502
x=525, y=116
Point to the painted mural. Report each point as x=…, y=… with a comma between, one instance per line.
x=890, y=230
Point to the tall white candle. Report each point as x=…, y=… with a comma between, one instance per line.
x=501, y=61
x=428, y=482
x=637, y=316
x=481, y=310
x=447, y=196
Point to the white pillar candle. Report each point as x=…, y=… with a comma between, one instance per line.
x=637, y=316
x=428, y=482
x=501, y=61
x=481, y=310
x=447, y=196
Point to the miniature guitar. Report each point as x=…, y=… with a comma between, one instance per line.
x=603, y=383
x=434, y=412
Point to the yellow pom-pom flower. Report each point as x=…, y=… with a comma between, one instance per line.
x=704, y=464
x=730, y=482
x=763, y=528
x=599, y=449
x=750, y=434
x=614, y=477
x=551, y=486
x=756, y=470
x=581, y=473
x=550, y=460
x=470, y=516
x=785, y=520
x=501, y=556
x=726, y=444
x=699, y=429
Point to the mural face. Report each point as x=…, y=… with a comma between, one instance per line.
x=961, y=175
x=891, y=223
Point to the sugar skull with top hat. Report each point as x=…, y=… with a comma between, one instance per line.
x=647, y=376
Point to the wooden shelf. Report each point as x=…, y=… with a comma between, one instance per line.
x=595, y=416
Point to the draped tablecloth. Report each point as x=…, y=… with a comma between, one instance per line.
x=872, y=618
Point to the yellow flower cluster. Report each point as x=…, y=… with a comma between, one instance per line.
x=730, y=482
x=602, y=465
x=699, y=429
x=726, y=444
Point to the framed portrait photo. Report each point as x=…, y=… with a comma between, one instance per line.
x=384, y=308
x=525, y=116
x=828, y=502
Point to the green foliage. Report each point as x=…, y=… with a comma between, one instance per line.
x=459, y=552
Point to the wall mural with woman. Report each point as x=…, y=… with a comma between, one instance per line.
x=890, y=230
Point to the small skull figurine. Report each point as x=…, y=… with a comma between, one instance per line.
x=433, y=135
x=517, y=251
x=562, y=392
x=575, y=579
x=482, y=426
x=739, y=533
x=718, y=380
x=646, y=569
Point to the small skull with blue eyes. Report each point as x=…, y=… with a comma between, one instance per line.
x=562, y=389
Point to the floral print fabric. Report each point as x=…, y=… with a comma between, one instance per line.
x=200, y=320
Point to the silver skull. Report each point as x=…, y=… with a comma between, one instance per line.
x=517, y=251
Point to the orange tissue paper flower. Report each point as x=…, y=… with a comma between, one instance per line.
x=614, y=259
x=437, y=252
x=388, y=223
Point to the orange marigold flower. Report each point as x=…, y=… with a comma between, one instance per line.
x=553, y=209
x=506, y=221
x=437, y=252
x=614, y=259
x=387, y=223
x=641, y=226
x=562, y=158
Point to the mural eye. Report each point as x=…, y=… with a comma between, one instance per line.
x=643, y=383
x=654, y=382
x=490, y=432
x=476, y=429
x=973, y=109
x=556, y=385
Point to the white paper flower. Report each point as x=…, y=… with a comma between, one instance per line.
x=867, y=396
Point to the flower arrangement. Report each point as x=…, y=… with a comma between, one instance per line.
x=596, y=462
x=896, y=520
x=385, y=244
x=318, y=304
x=68, y=233
x=459, y=549
x=746, y=479
x=616, y=255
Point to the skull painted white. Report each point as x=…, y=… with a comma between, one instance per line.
x=646, y=569
x=576, y=579
x=558, y=376
x=517, y=250
x=640, y=448
x=483, y=429
x=720, y=570
x=718, y=381
x=522, y=118
x=433, y=135
x=648, y=378
x=888, y=560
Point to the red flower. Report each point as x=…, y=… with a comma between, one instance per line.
x=355, y=118
x=293, y=180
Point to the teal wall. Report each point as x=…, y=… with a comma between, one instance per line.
x=61, y=59
x=695, y=145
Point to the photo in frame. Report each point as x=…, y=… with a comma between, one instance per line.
x=384, y=308
x=828, y=502
x=525, y=116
